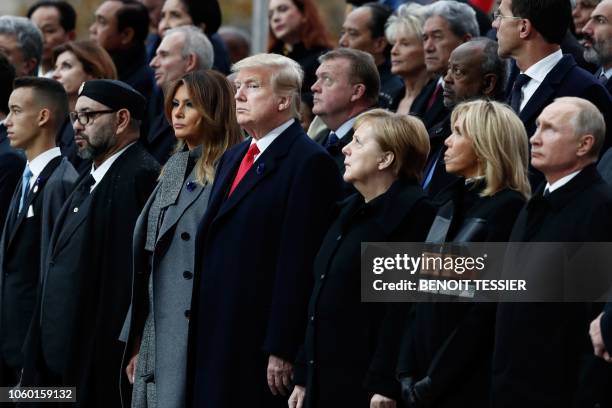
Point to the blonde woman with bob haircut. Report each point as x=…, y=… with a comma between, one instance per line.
x=201, y=108
x=384, y=162
x=488, y=151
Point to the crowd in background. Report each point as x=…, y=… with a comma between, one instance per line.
x=181, y=221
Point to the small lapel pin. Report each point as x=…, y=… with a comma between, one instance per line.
x=191, y=186
x=260, y=168
x=35, y=189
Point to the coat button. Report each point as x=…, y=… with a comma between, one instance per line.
x=187, y=275
x=187, y=313
x=311, y=362
x=312, y=318
x=185, y=236
x=339, y=237
x=322, y=276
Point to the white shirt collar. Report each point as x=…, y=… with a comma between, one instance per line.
x=561, y=182
x=264, y=142
x=99, y=173
x=538, y=72
x=540, y=69
x=38, y=164
x=608, y=73
x=344, y=128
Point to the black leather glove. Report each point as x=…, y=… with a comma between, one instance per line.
x=416, y=394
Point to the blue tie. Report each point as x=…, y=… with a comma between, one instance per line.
x=25, y=185
x=517, y=90
x=332, y=139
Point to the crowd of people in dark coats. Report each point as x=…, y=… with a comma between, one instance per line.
x=181, y=222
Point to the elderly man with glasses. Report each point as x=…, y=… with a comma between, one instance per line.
x=86, y=274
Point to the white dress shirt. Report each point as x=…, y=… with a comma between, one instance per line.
x=99, y=173
x=537, y=72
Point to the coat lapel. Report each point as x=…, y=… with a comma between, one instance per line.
x=175, y=212
x=546, y=90
x=263, y=166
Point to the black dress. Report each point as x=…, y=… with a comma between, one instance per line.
x=345, y=342
x=452, y=343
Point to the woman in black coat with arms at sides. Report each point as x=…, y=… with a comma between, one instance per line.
x=446, y=352
x=349, y=354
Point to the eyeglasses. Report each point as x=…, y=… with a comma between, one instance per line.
x=499, y=15
x=86, y=116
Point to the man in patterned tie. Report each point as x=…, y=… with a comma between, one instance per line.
x=347, y=85
x=268, y=211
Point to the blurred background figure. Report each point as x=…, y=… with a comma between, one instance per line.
x=364, y=29
x=201, y=108
x=154, y=7
x=74, y=63
x=121, y=28
x=404, y=31
x=56, y=20
x=581, y=13
x=22, y=43
x=236, y=41
x=298, y=32
x=204, y=14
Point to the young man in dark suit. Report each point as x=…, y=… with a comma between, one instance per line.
x=37, y=109
x=268, y=210
x=86, y=282
x=539, y=346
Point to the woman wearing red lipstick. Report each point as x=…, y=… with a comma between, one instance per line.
x=201, y=108
x=298, y=32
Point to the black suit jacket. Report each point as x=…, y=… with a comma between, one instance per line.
x=437, y=112
x=538, y=346
x=24, y=239
x=335, y=152
x=255, y=251
x=440, y=179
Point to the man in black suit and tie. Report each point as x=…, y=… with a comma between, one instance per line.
x=269, y=207
x=86, y=282
x=37, y=107
x=347, y=85
x=531, y=33
x=539, y=346
x=598, y=42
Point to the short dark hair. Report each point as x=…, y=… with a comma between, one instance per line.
x=205, y=12
x=379, y=16
x=551, y=18
x=65, y=10
x=7, y=76
x=492, y=63
x=49, y=92
x=363, y=69
x=135, y=15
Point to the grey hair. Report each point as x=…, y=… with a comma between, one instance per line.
x=461, y=17
x=407, y=19
x=196, y=43
x=587, y=120
x=28, y=37
x=286, y=77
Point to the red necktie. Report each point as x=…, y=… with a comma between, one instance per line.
x=245, y=165
x=433, y=96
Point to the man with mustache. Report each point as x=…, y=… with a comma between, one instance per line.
x=86, y=276
x=474, y=71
